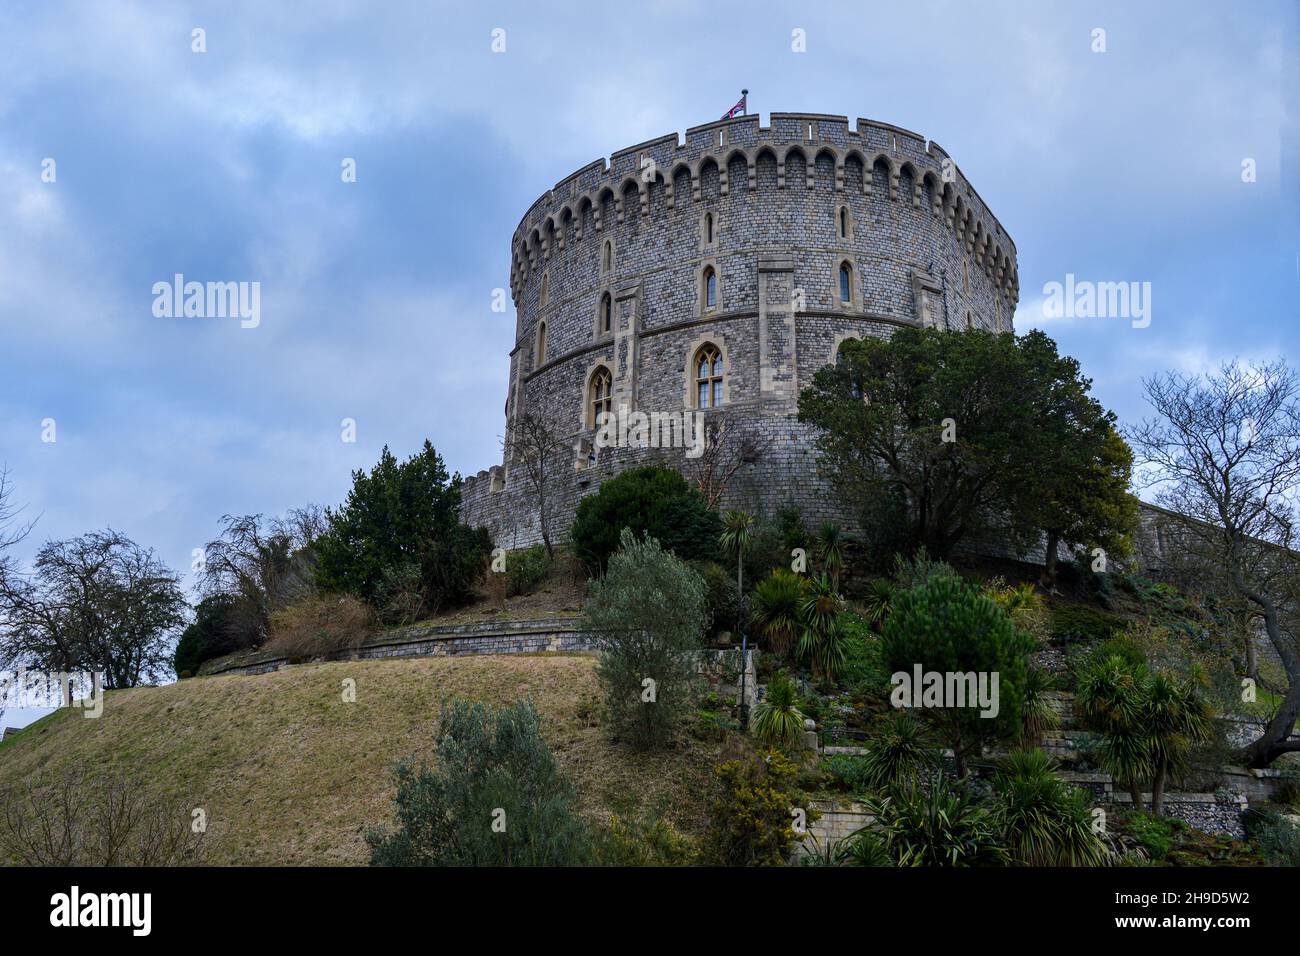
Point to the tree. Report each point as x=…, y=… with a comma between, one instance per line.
x=402, y=516
x=1223, y=453
x=97, y=603
x=1111, y=697
x=536, y=443
x=949, y=627
x=934, y=436
x=727, y=446
x=1078, y=488
x=259, y=566
x=737, y=532
x=208, y=637
x=649, y=616
x=12, y=530
x=820, y=641
x=647, y=500
x=1148, y=721
x=495, y=797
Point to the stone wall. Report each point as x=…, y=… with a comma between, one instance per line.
x=541, y=635
x=774, y=211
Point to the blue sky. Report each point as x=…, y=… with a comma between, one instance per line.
x=1115, y=166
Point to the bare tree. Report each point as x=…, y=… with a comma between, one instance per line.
x=727, y=446
x=99, y=602
x=72, y=819
x=536, y=442
x=12, y=529
x=263, y=565
x=1224, y=455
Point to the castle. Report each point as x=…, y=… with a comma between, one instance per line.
x=714, y=274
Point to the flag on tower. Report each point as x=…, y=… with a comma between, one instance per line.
x=739, y=107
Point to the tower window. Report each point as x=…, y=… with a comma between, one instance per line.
x=598, y=395
x=607, y=256
x=708, y=377
x=541, y=345
x=708, y=228
x=710, y=288
x=844, y=223
x=606, y=313
x=846, y=283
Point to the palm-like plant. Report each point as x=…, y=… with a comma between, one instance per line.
x=1112, y=697
x=778, y=608
x=830, y=551
x=1045, y=821
x=878, y=601
x=941, y=827
x=1178, y=718
x=778, y=721
x=1038, y=716
x=899, y=753
x=737, y=532
x=822, y=641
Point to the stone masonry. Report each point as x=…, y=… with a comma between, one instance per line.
x=773, y=213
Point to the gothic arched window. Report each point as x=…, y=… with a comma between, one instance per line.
x=710, y=288
x=598, y=395
x=708, y=376
x=846, y=283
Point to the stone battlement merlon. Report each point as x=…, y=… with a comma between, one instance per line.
x=810, y=134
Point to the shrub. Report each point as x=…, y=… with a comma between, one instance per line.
x=778, y=609
x=878, y=600
x=1038, y=716
x=648, y=615
x=72, y=819
x=720, y=593
x=1045, y=821
x=821, y=642
x=320, y=625
x=639, y=843
x=1072, y=623
x=496, y=798
x=898, y=754
x=847, y=772
x=398, y=514
x=778, y=721
x=750, y=823
x=864, y=669
x=648, y=500
x=1277, y=837
x=919, y=570
x=941, y=827
x=526, y=568
x=1155, y=834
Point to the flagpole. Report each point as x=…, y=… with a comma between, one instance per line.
x=744, y=99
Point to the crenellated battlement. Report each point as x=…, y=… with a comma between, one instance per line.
x=896, y=161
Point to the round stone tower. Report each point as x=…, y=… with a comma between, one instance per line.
x=705, y=279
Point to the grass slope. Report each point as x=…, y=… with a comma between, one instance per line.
x=290, y=774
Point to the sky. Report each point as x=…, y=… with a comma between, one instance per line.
x=1123, y=164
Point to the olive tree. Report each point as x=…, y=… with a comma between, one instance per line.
x=649, y=616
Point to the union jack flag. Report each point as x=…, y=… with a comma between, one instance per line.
x=739, y=107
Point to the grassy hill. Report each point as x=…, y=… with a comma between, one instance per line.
x=290, y=774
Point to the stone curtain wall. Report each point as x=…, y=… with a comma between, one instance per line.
x=922, y=251
x=555, y=635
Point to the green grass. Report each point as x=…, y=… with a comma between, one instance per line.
x=289, y=774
